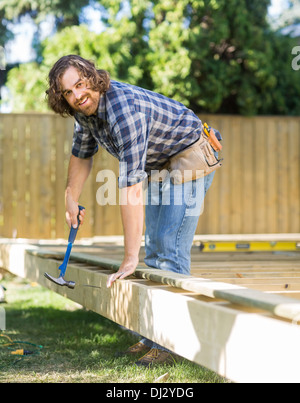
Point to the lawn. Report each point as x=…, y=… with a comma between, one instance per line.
x=76, y=345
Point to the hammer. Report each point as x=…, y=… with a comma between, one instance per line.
x=63, y=267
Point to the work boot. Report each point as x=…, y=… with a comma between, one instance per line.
x=138, y=348
x=155, y=357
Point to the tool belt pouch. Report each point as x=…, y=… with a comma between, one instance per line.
x=194, y=162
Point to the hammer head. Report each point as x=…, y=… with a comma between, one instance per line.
x=60, y=281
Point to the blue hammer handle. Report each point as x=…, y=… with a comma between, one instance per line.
x=72, y=236
x=73, y=231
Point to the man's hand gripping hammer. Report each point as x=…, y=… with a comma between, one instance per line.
x=63, y=267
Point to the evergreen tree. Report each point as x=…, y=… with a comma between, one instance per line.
x=217, y=56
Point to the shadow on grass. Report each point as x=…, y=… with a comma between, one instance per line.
x=78, y=345
x=75, y=337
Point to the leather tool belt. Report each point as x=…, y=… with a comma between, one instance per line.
x=197, y=160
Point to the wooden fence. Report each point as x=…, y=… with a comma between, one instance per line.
x=256, y=191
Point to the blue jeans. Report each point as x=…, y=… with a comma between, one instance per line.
x=172, y=214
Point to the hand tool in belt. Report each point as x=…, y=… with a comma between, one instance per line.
x=212, y=137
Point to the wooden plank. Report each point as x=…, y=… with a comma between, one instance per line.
x=21, y=178
x=246, y=275
x=293, y=167
x=260, y=170
x=248, y=177
x=60, y=175
x=2, y=123
x=45, y=131
x=283, y=161
x=277, y=305
x=272, y=178
x=34, y=185
x=284, y=281
x=224, y=192
x=8, y=178
x=99, y=211
x=111, y=214
x=236, y=206
x=210, y=222
x=251, y=237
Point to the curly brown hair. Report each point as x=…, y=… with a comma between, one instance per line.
x=98, y=80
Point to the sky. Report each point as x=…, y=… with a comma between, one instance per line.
x=277, y=6
x=19, y=50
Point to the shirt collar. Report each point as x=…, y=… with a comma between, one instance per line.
x=101, y=114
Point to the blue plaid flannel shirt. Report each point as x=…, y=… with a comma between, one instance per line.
x=141, y=128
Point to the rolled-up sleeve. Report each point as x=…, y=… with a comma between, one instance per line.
x=84, y=145
x=131, y=132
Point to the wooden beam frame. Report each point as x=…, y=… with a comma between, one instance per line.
x=244, y=345
x=283, y=307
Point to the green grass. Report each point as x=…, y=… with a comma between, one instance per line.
x=79, y=346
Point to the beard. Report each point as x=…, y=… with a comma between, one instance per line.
x=88, y=102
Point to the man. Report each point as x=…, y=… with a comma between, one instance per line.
x=143, y=130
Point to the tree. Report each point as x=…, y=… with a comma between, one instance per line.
x=212, y=55
x=217, y=56
x=66, y=12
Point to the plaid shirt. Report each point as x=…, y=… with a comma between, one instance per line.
x=141, y=128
